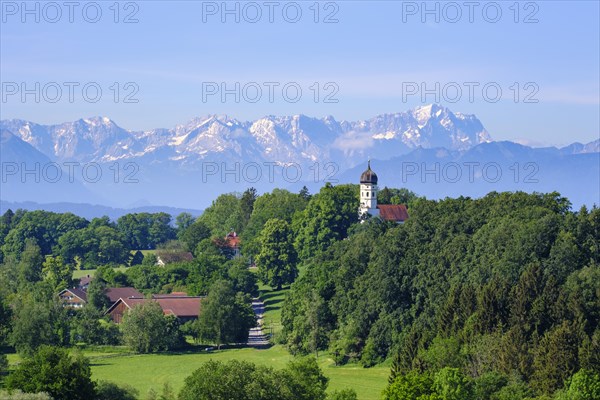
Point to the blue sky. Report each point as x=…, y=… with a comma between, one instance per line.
x=371, y=57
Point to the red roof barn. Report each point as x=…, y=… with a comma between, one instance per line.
x=185, y=308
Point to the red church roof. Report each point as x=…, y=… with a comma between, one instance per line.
x=393, y=212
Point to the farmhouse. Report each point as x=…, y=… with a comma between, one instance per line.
x=77, y=297
x=185, y=308
x=368, y=201
x=232, y=241
x=114, y=294
x=74, y=298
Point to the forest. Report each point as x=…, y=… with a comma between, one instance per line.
x=499, y=295
x=493, y=298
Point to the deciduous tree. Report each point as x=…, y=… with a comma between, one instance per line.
x=277, y=258
x=225, y=317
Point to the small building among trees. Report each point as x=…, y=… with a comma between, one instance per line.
x=232, y=241
x=74, y=298
x=78, y=297
x=184, y=308
x=168, y=256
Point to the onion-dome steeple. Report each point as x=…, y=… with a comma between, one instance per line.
x=369, y=177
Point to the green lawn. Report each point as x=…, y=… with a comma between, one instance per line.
x=79, y=273
x=151, y=371
x=273, y=300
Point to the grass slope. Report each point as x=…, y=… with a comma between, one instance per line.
x=151, y=371
x=273, y=300
x=80, y=273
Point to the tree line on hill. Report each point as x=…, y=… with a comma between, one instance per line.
x=86, y=244
x=493, y=298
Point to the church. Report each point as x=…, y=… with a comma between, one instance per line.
x=368, y=201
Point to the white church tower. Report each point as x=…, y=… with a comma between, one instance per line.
x=368, y=193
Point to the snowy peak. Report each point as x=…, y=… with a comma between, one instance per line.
x=430, y=126
x=283, y=139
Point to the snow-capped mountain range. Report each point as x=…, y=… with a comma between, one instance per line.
x=168, y=166
x=286, y=139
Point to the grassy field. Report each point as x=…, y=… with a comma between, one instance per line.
x=151, y=371
x=78, y=273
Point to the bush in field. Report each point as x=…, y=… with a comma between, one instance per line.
x=54, y=371
x=346, y=394
x=214, y=380
x=106, y=390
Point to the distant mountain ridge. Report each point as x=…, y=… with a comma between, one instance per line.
x=286, y=139
x=169, y=166
x=90, y=211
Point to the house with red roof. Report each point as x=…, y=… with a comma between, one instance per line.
x=232, y=241
x=73, y=298
x=184, y=308
x=77, y=297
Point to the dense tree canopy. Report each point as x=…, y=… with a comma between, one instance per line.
x=226, y=316
x=279, y=204
x=500, y=284
x=223, y=215
x=326, y=219
x=99, y=243
x=277, y=257
x=37, y=322
x=194, y=234
x=145, y=230
x=42, y=226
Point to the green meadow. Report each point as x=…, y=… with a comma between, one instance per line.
x=79, y=273
x=152, y=371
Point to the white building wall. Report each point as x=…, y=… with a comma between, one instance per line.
x=368, y=199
